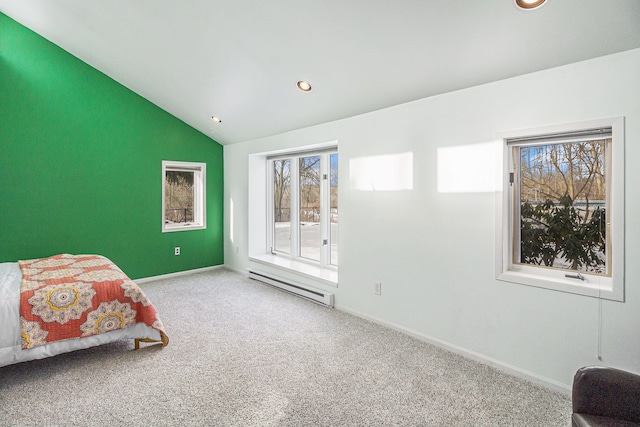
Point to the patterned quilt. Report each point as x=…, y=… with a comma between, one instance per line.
x=73, y=296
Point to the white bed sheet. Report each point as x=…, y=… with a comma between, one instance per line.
x=10, y=342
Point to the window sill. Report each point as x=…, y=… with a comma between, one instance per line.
x=183, y=228
x=327, y=276
x=592, y=287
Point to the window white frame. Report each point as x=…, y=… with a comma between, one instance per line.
x=199, y=195
x=325, y=206
x=607, y=287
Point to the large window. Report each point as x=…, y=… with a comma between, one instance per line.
x=563, y=209
x=304, y=207
x=183, y=196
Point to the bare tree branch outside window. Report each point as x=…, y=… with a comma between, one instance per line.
x=179, y=196
x=563, y=205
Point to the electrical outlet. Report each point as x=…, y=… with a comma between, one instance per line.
x=237, y=249
x=377, y=288
x=176, y=250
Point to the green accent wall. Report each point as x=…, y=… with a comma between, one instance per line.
x=80, y=165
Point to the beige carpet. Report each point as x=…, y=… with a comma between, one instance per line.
x=245, y=354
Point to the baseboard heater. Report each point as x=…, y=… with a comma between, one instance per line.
x=314, y=295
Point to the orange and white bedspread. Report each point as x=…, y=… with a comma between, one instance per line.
x=75, y=296
x=64, y=303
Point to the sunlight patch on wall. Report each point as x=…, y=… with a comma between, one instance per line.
x=389, y=172
x=231, y=221
x=468, y=168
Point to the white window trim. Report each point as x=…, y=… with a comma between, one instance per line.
x=611, y=288
x=258, y=227
x=293, y=254
x=200, y=199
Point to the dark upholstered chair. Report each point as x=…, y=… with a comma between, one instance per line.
x=605, y=397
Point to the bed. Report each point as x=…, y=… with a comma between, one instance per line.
x=63, y=303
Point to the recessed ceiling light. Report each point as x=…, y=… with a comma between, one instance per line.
x=216, y=119
x=304, y=86
x=529, y=4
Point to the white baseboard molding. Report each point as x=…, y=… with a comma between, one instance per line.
x=177, y=274
x=478, y=357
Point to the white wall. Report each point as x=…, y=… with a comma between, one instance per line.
x=434, y=252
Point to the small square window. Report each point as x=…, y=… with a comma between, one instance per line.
x=183, y=196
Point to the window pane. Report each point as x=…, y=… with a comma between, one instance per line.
x=179, y=197
x=282, y=205
x=333, y=213
x=563, y=204
x=309, y=224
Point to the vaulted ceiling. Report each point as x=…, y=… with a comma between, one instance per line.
x=240, y=59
